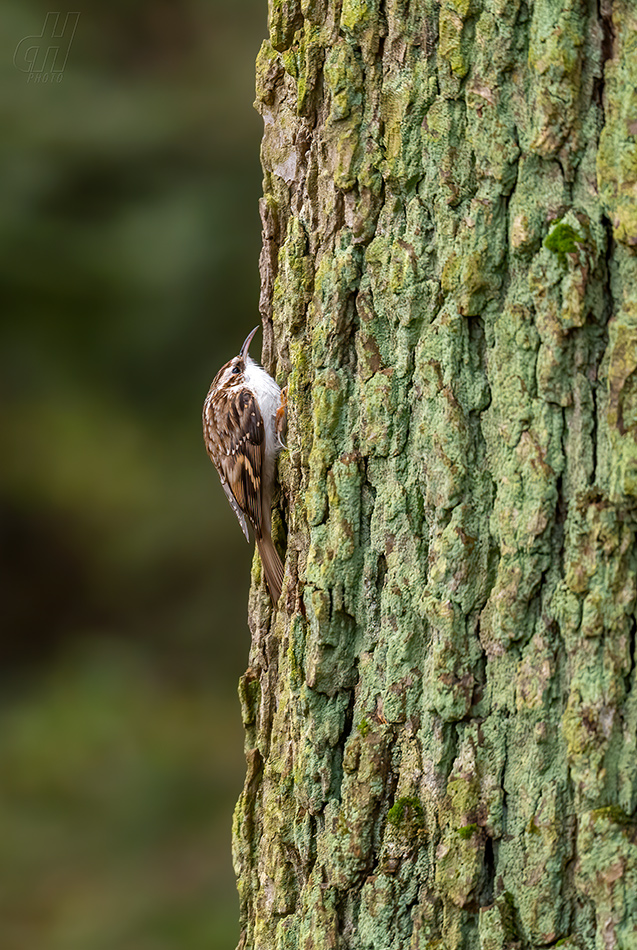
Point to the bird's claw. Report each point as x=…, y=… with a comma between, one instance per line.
x=280, y=422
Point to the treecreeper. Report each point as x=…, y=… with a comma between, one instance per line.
x=243, y=418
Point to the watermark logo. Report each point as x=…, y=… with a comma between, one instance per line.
x=44, y=57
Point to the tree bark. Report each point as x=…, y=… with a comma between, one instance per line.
x=441, y=715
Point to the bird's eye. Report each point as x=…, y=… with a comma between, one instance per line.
x=235, y=369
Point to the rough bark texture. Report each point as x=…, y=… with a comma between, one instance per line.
x=441, y=716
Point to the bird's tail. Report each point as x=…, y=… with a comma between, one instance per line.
x=272, y=566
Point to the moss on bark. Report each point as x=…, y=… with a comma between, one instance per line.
x=441, y=716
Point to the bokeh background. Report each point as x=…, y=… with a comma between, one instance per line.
x=129, y=241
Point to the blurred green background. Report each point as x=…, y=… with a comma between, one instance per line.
x=129, y=237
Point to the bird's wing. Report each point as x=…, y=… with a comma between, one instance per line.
x=239, y=456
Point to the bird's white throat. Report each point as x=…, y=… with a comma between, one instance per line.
x=268, y=396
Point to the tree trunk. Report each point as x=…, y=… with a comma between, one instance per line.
x=441, y=715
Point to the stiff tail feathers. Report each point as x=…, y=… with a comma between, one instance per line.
x=272, y=566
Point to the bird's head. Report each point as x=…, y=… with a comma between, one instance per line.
x=233, y=373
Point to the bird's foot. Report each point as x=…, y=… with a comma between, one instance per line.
x=281, y=419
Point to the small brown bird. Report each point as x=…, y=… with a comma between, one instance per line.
x=242, y=424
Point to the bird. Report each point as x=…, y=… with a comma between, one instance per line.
x=243, y=419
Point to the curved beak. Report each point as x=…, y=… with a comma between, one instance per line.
x=248, y=340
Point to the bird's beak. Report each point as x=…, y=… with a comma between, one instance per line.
x=244, y=349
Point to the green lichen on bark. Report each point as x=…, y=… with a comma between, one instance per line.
x=441, y=715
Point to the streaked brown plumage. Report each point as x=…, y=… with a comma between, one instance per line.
x=241, y=426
